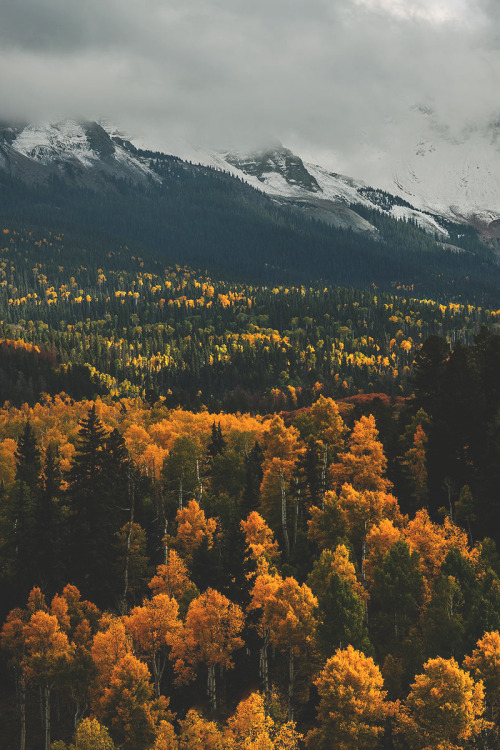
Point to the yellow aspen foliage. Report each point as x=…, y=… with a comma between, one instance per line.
x=352, y=708
x=333, y=562
x=172, y=578
x=165, y=737
x=363, y=466
x=125, y=704
x=329, y=425
x=47, y=647
x=193, y=527
x=361, y=509
x=8, y=448
x=154, y=628
x=109, y=646
x=444, y=707
x=485, y=666
x=379, y=542
x=280, y=442
x=211, y=633
x=433, y=542
x=287, y=737
x=289, y=615
x=137, y=440
x=249, y=728
x=325, y=525
x=197, y=732
x=92, y=735
x=264, y=589
x=261, y=544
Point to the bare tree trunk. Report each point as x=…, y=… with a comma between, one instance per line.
x=296, y=519
x=165, y=543
x=131, y=496
x=199, y=482
x=264, y=663
x=46, y=711
x=180, y=489
x=22, y=710
x=291, y=679
x=323, y=477
x=158, y=668
x=211, y=685
x=283, y=516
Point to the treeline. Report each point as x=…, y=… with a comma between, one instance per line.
x=190, y=578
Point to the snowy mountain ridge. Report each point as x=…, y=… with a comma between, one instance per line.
x=444, y=176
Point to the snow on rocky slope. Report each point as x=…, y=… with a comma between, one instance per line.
x=431, y=174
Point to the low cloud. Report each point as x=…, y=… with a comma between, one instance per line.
x=343, y=77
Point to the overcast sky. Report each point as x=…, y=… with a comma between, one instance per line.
x=320, y=75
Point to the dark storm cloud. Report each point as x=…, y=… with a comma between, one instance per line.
x=324, y=74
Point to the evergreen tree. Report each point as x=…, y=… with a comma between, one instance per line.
x=341, y=614
x=28, y=458
x=95, y=510
x=253, y=480
x=50, y=542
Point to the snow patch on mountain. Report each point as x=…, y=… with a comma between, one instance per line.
x=55, y=142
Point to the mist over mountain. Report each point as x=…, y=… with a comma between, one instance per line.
x=267, y=216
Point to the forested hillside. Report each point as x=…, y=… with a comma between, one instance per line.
x=194, y=215
x=173, y=579
x=246, y=515
x=121, y=323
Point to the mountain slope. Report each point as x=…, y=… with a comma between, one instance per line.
x=89, y=180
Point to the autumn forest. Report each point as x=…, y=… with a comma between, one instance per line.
x=243, y=515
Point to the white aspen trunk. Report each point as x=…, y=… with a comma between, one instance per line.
x=211, y=685
x=46, y=711
x=323, y=477
x=199, y=482
x=180, y=489
x=165, y=542
x=296, y=520
x=283, y=516
x=291, y=678
x=264, y=663
x=22, y=711
x=129, y=541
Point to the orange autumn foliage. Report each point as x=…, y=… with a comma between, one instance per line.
x=193, y=528
x=287, y=611
x=261, y=544
x=47, y=647
x=195, y=731
x=125, y=704
x=484, y=663
x=361, y=509
x=154, y=628
x=333, y=562
x=363, y=466
x=444, y=707
x=352, y=708
x=210, y=636
x=172, y=577
x=433, y=542
x=379, y=541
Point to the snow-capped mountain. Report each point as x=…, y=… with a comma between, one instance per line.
x=84, y=153
x=438, y=167
x=437, y=175
x=434, y=167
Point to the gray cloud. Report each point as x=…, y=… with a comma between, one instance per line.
x=324, y=75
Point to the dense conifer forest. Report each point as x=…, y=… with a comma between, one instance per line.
x=245, y=513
